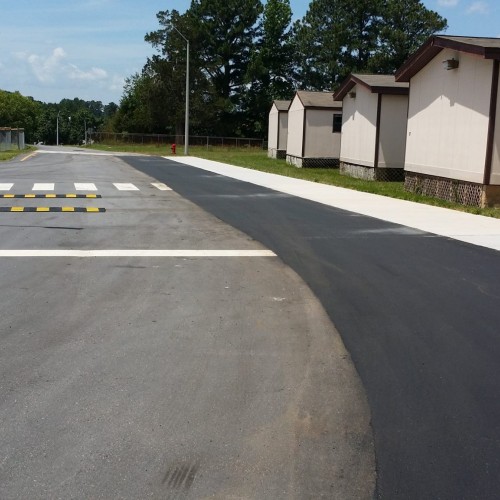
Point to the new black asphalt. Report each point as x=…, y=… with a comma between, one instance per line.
x=420, y=315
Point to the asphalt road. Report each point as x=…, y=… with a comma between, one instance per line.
x=419, y=314
x=163, y=377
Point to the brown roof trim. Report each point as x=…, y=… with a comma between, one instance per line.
x=353, y=80
x=436, y=44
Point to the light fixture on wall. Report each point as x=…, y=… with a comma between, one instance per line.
x=352, y=94
x=450, y=64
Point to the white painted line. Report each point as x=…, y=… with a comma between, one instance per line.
x=161, y=186
x=6, y=186
x=137, y=253
x=125, y=186
x=43, y=186
x=85, y=186
x=75, y=153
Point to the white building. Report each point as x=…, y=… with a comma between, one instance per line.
x=453, y=135
x=278, y=129
x=314, y=126
x=373, y=127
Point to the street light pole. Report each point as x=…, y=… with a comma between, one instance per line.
x=186, y=119
x=57, y=129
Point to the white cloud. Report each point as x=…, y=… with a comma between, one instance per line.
x=94, y=74
x=479, y=7
x=45, y=68
x=448, y=3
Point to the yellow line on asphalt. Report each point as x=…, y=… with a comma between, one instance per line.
x=17, y=209
x=29, y=156
x=68, y=209
x=42, y=209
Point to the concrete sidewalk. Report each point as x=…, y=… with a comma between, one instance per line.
x=475, y=229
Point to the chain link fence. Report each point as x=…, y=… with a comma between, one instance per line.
x=11, y=138
x=165, y=139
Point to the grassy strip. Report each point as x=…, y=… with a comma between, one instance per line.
x=8, y=155
x=257, y=159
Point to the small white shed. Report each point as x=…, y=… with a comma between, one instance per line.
x=278, y=129
x=373, y=127
x=453, y=136
x=314, y=126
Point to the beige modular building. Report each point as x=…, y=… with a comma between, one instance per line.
x=453, y=135
x=374, y=115
x=314, y=127
x=278, y=129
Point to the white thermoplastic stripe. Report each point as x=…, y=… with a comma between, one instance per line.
x=85, y=186
x=137, y=253
x=6, y=186
x=43, y=186
x=161, y=186
x=125, y=186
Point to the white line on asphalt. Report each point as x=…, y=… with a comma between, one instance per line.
x=43, y=186
x=137, y=253
x=85, y=186
x=125, y=186
x=6, y=186
x=161, y=186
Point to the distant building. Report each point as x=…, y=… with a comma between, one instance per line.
x=453, y=136
x=278, y=129
x=314, y=126
x=373, y=127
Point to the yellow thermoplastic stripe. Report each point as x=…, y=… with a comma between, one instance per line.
x=68, y=209
x=43, y=209
x=50, y=196
x=17, y=209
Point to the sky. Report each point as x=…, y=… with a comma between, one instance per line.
x=56, y=49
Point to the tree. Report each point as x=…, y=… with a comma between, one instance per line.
x=18, y=111
x=338, y=37
x=270, y=74
x=404, y=27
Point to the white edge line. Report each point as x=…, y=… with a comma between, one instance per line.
x=137, y=253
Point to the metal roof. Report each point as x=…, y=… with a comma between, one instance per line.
x=282, y=105
x=318, y=99
x=379, y=84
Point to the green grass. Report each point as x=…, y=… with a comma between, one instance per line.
x=257, y=159
x=8, y=155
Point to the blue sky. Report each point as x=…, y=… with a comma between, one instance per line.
x=54, y=49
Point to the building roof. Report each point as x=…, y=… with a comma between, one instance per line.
x=376, y=84
x=487, y=48
x=282, y=105
x=318, y=100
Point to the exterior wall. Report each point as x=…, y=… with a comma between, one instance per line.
x=282, y=130
x=448, y=118
x=272, y=134
x=359, y=121
x=495, y=164
x=295, y=128
x=320, y=140
x=392, y=133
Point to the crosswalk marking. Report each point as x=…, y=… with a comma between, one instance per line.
x=43, y=186
x=85, y=186
x=125, y=186
x=161, y=186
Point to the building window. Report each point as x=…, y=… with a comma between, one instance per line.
x=337, y=122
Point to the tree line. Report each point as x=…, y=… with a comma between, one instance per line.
x=245, y=54
x=40, y=119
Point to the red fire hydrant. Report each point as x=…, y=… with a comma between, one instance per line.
x=173, y=148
